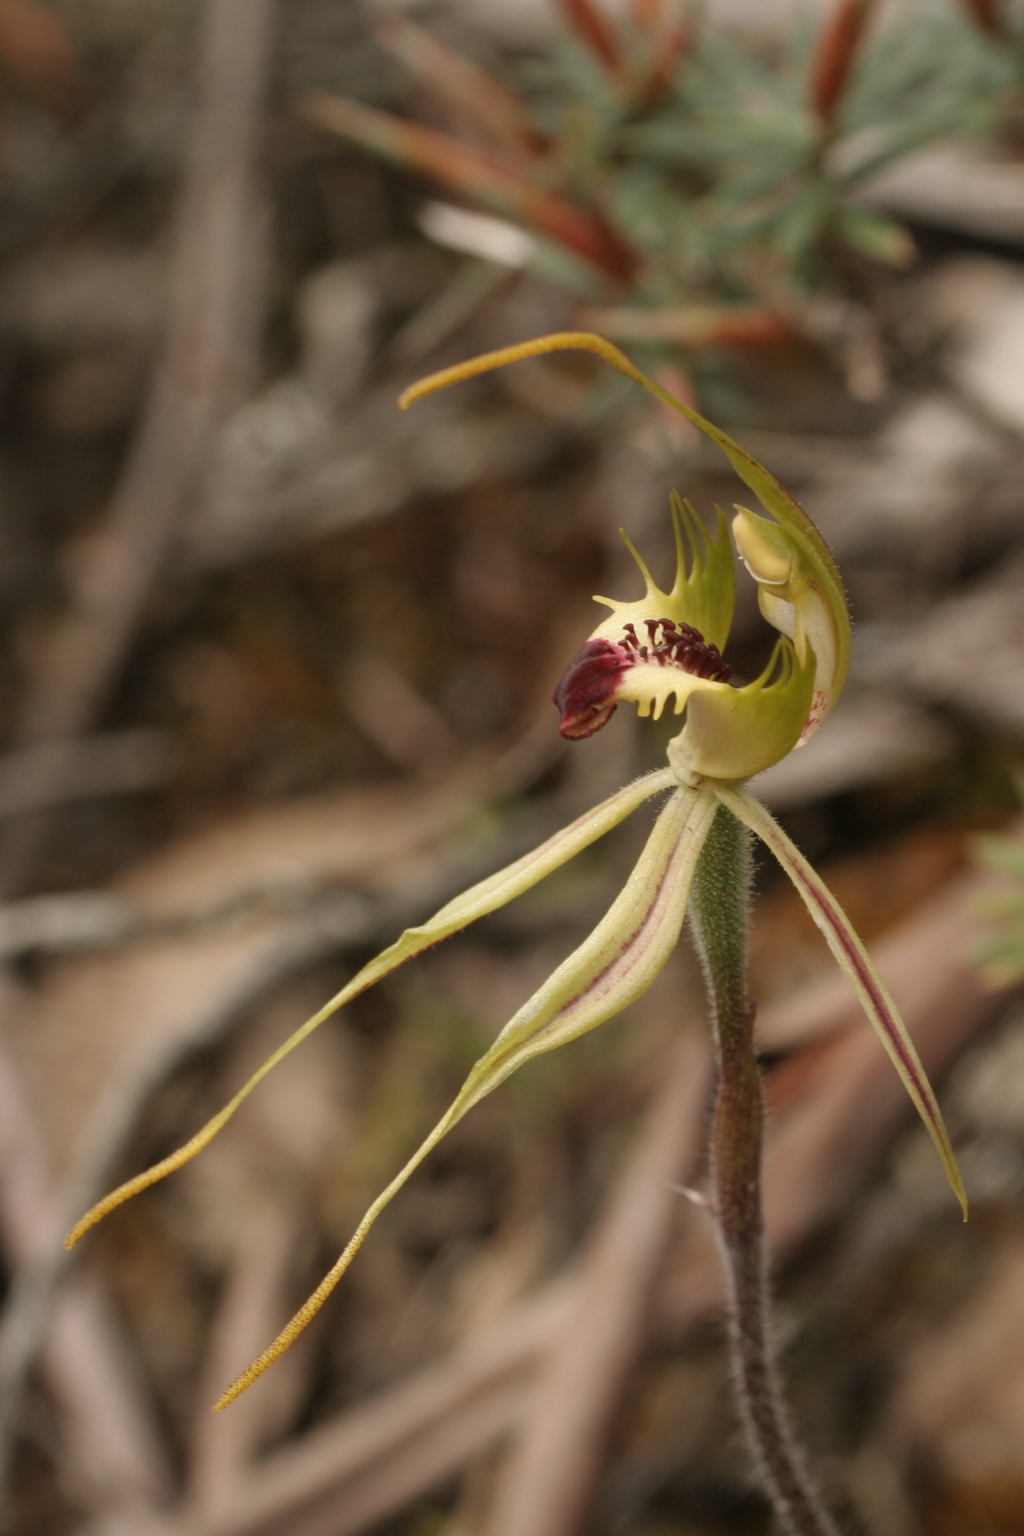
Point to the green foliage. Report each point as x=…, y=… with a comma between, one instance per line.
x=734, y=157
x=702, y=178
x=931, y=76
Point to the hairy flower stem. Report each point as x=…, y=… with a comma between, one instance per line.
x=718, y=915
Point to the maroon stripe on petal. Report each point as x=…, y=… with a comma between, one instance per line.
x=634, y=948
x=868, y=981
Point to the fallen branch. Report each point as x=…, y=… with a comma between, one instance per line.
x=56, y=772
x=347, y=1475
x=253, y=1305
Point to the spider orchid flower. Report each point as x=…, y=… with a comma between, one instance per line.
x=662, y=652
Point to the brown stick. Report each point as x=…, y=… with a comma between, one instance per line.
x=112, y=1450
x=551, y=1474
x=206, y=356
x=253, y=1306
x=349, y=1474
x=114, y=1446
x=41, y=1273
x=243, y=968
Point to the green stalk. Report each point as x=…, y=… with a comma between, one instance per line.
x=718, y=914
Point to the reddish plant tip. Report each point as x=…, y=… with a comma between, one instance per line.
x=988, y=15
x=585, y=696
x=837, y=51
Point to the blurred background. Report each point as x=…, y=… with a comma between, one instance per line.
x=275, y=683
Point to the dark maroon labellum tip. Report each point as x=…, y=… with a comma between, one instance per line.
x=587, y=686
x=583, y=695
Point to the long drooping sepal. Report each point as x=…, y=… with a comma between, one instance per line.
x=807, y=551
x=480, y=899
x=855, y=963
x=613, y=966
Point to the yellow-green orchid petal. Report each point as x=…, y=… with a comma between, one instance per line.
x=486, y=896
x=732, y=733
x=702, y=596
x=858, y=968
x=613, y=966
x=652, y=688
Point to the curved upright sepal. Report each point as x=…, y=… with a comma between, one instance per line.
x=816, y=565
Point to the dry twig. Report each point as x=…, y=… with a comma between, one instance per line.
x=552, y=1472
x=253, y=1307
x=205, y=360
x=345, y=1476
x=114, y=1447
x=53, y=773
